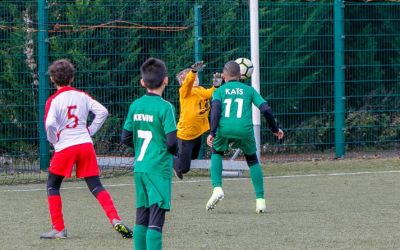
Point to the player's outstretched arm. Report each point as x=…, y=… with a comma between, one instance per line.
x=190, y=78
x=269, y=117
x=217, y=79
x=187, y=84
x=280, y=134
x=198, y=66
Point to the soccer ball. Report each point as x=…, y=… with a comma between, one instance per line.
x=246, y=68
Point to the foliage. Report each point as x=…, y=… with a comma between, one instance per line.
x=108, y=40
x=18, y=92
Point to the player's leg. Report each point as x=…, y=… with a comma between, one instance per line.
x=158, y=191
x=106, y=202
x=178, y=160
x=196, y=147
x=103, y=197
x=189, y=150
x=219, y=145
x=257, y=179
x=216, y=167
x=154, y=231
x=141, y=227
x=55, y=208
x=142, y=212
x=183, y=159
x=86, y=167
x=60, y=167
x=256, y=173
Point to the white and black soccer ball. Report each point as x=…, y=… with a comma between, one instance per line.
x=246, y=68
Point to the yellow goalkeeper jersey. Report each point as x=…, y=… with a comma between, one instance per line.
x=194, y=108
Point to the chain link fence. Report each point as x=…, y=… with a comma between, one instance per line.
x=108, y=40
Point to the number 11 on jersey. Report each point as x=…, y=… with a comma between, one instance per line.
x=228, y=103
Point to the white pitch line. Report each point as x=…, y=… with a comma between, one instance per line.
x=228, y=179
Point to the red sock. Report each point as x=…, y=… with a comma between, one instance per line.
x=55, y=208
x=107, y=203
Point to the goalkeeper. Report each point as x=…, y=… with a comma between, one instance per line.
x=193, y=121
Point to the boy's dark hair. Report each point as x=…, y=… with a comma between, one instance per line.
x=153, y=72
x=232, y=68
x=62, y=71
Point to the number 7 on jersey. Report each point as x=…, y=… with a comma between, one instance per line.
x=147, y=136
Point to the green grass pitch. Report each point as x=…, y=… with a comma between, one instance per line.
x=311, y=205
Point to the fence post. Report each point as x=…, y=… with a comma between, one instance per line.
x=339, y=78
x=44, y=155
x=198, y=37
x=198, y=55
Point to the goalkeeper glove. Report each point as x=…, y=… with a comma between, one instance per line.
x=217, y=79
x=198, y=66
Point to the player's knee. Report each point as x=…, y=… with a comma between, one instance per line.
x=251, y=159
x=217, y=152
x=54, y=184
x=94, y=185
x=142, y=216
x=156, y=218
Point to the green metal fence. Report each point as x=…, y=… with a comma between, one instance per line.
x=301, y=64
x=372, y=74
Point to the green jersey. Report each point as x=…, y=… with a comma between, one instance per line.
x=150, y=119
x=236, y=109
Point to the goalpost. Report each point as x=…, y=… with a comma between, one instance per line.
x=255, y=78
x=232, y=167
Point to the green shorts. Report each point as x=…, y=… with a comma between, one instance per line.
x=152, y=189
x=247, y=145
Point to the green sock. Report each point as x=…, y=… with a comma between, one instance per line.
x=257, y=178
x=154, y=240
x=139, y=241
x=216, y=170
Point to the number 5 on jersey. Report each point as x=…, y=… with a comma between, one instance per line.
x=73, y=117
x=147, y=136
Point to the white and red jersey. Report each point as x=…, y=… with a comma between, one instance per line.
x=66, y=116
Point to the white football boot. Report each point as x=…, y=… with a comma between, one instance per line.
x=260, y=206
x=217, y=195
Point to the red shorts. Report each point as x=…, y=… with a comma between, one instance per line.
x=82, y=156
